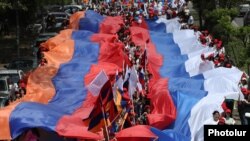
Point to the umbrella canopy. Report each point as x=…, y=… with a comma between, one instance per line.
x=76, y=129
x=139, y=132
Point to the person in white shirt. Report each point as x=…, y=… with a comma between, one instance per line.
x=228, y=119
x=190, y=20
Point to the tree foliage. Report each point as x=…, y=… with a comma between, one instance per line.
x=205, y=6
x=243, y=34
x=213, y=4
x=24, y=4
x=29, y=10
x=4, y=4
x=222, y=16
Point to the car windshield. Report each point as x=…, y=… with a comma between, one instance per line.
x=71, y=10
x=60, y=15
x=3, y=86
x=43, y=36
x=14, y=77
x=60, y=20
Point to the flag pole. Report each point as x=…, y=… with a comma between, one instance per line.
x=123, y=67
x=124, y=119
x=145, y=48
x=105, y=122
x=145, y=67
x=123, y=63
x=115, y=118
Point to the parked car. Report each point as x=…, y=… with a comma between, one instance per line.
x=35, y=28
x=3, y=101
x=56, y=21
x=14, y=75
x=25, y=64
x=53, y=8
x=243, y=9
x=46, y=35
x=59, y=15
x=71, y=9
x=7, y=90
x=246, y=19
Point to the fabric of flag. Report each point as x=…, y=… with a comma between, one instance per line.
x=119, y=83
x=142, y=77
x=161, y=116
x=127, y=73
x=118, y=100
x=139, y=132
x=197, y=87
x=133, y=79
x=184, y=90
x=96, y=85
x=144, y=58
x=104, y=105
x=57, y=99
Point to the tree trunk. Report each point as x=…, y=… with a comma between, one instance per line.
x=229, y=4
x=217, y=3
x=17, y=32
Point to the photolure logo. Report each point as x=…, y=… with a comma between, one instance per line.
x=215, y=132
x=212, y=132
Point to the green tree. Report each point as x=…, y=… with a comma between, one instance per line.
x=28, y=9
x=205, y=6
x=4, y=4
x=201, y=6
x=243, y=34
x=219, y=16
x=240, y=45
x=25, y=3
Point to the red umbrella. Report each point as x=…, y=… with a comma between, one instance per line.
x=74, y=127
x=135, y=133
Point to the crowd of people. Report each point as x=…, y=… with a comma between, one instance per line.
x=134, y=13
x=218, y=55
x=138, y=106
x=244, y=105
x=19, y=91
x=149, y=10
x=224, y=118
